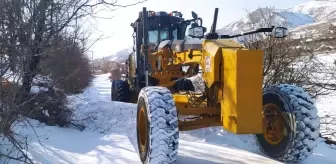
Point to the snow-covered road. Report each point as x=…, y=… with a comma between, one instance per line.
x=192, y=149
x=110, y=137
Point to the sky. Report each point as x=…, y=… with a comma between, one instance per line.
x=113, y=27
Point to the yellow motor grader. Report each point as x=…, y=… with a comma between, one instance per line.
x=169, y=49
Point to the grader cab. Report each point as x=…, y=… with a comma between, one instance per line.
x=282, y=117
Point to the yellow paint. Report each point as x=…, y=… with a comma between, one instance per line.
x=241, y=106
x=170, y=64
x=182, y=105
x=166, y=58
x=233, y=74
x=183, y=57
x=199, y=123
x=209, y=67
x=166, y=77
x=212, y=56
x=180, y=98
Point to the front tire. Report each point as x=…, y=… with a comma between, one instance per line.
x=157, y=126
x=291, y=124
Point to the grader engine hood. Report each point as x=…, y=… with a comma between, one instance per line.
x=239, y=72
x=184, y=45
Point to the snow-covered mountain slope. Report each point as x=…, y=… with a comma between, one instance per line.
x=121, y=56
x=314, y=31
x=304, y=14
x=320, y=10
x=267, y=17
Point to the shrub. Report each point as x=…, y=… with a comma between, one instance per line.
x=67, y=65
x=48, y=105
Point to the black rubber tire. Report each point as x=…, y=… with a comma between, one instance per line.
x=120, y=91
x=302, y=124
x=162, y=121
x=113, y=90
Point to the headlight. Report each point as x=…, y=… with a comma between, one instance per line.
x=196, y=32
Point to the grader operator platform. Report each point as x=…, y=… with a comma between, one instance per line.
x=282, y=117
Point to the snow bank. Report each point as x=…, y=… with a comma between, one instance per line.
x=95, y=110
x=50, y=145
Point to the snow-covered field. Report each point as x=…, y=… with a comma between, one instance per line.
x=110, y=137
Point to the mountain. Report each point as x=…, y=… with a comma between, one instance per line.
x=268, y=17
x=319, y=10
x=120, y=57
x=303, y=14
x=307, y=19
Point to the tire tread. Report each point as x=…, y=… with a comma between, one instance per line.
x=306, y=122
x=164, y=132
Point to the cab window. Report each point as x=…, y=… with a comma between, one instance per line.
x=153, y=36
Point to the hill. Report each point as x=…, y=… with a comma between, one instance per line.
x=307, y=14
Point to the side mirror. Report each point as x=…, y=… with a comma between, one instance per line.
x=280, y=32
x=196, y=32
x=194, y=15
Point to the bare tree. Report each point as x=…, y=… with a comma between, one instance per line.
x=29, y=30
x=67, y=65
x=289, y=60
x=295, y=61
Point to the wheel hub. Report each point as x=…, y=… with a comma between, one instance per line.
x=274, y=124
x=142, y=129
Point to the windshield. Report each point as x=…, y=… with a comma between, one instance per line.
x=164, y=35
x=153, y=36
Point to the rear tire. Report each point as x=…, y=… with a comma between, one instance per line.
x=301, y=129
x=120, y=91
x=184, y=84
x=157, y=126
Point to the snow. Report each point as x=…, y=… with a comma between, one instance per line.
x=42, y=79
x=110, y=137
x=312, y=14
x=67, y=146
x=121, y=56
x=319, y=10
x=325, y=47
x=46, y=113
x=295, y=19
x=278, y=17
x=37, y=89
x=12, y=77
x=326, y=106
